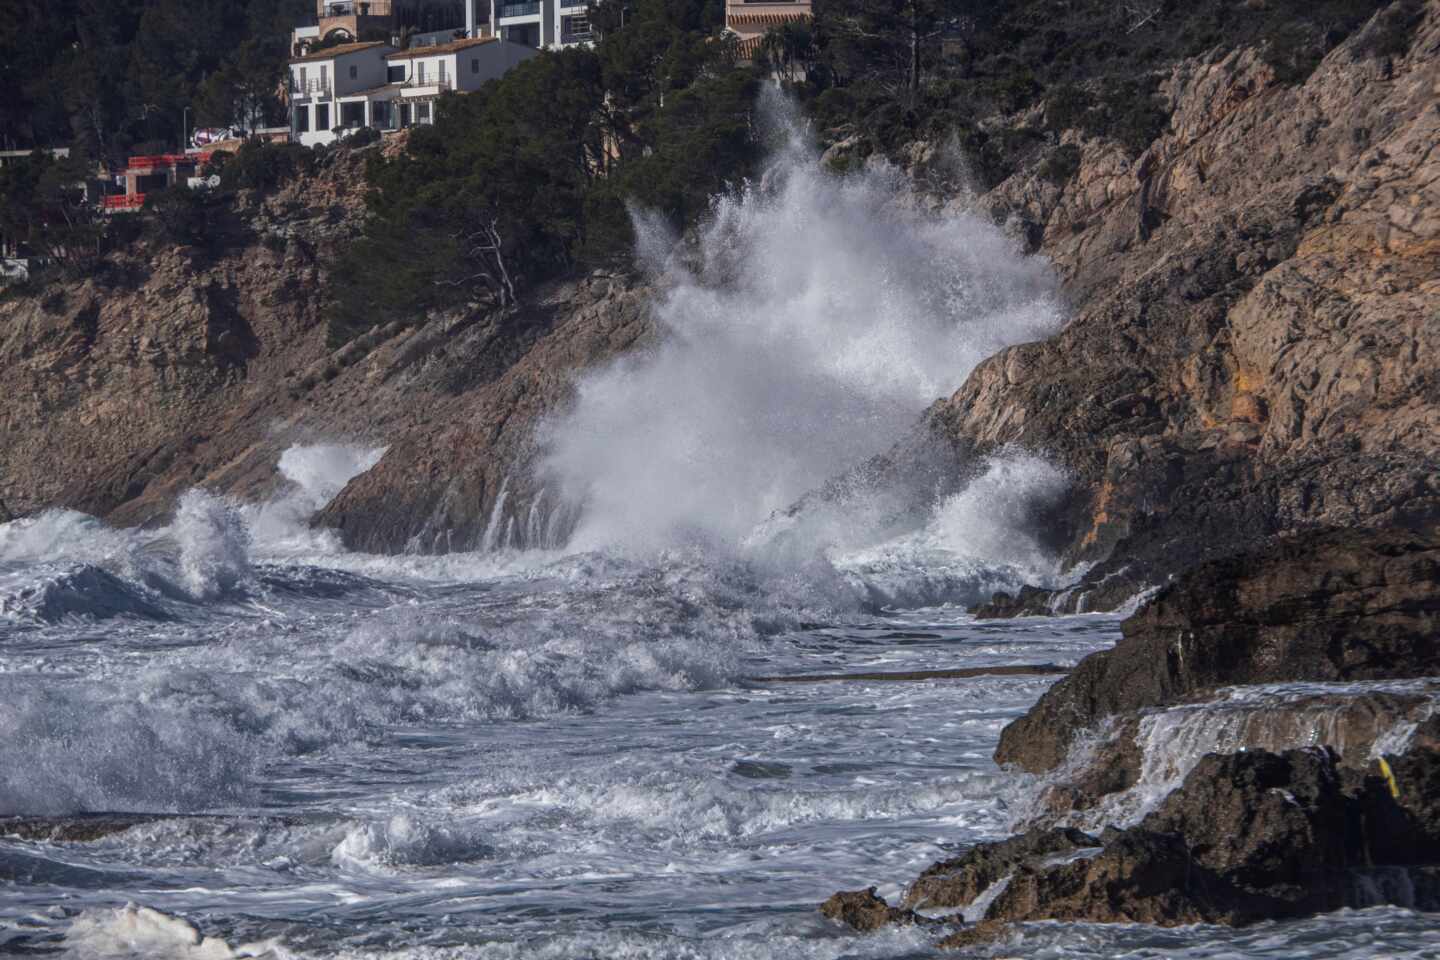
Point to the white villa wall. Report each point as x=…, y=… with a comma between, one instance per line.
x=411, y=99
x=343, y=74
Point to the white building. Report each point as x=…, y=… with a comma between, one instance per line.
x=318, y=79
x=374, y=85
x=552, y=24
x=348, y=21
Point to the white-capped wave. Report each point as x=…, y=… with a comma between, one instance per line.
x=71, y=746
x=984, y=538
x=818, y=319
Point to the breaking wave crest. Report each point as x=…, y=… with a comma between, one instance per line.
x=811, y=323
x=61, y=564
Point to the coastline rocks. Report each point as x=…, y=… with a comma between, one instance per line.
x=865, y=911
x=1334, y=606
x=1249, y=836
x=958, y=881
x=1029, y=602
x=1118, y=772
x=1253, y=349
x=1262, y=743
x=1253, y=836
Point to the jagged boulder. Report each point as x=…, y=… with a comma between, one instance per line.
x=1329, y=606
x=865, y=911
x=958, y=881
x=1249, y=836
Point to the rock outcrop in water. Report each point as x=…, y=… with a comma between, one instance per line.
x=1328, y=641
x=1249, y=836
x=1330, y=606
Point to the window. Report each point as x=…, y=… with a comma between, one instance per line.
x=474, y=64
x=380, y=115
x=395, y=74
x=304, y=81
x=420, y=72
x=354, y=71
x=575, y=28
x=322, y=116
x=301, y=123
x=422, y=113
x=442, y=73
x=324, y=77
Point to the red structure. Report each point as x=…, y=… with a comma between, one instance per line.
x=156, y=172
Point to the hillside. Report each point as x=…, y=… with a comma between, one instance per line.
x=1251, y=352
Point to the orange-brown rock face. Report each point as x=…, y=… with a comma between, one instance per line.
x=1256, y=338
x=183, y=367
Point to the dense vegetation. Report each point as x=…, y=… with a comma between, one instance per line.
x=108, y=77
x=530, y=177
x=891, y=73
x=499, y=193
x=533, y=176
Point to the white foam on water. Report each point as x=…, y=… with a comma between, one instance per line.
x=979, y=540
x=214, y=545
x=314, y=474
x=70, y=747
x=818, y=317
x=140, y=932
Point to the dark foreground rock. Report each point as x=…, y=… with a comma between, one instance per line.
x=1231, y=653
x=865, y=911
x=1029, y=602
x=1248, y=837
x=1330, y=606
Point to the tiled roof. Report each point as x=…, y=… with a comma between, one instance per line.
x=329, y=53
x=765, y=19
x=439, y=49
x=748, y=47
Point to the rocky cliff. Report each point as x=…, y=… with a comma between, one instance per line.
x=181, y=366
x=1252, y=350
x=1255, y=335
x=1261, y=744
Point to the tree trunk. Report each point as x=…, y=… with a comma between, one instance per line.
x=914, y=56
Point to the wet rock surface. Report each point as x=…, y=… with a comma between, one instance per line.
x=1332, y=606
x=958, y=881
x=1249, y=836
x=865, y=911
x=1326, y=639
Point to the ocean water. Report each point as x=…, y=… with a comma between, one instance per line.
x=580, y=741
x=525, y=754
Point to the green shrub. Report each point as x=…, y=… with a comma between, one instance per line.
x=1061, y=164
x=1066, y=106
x=362, y=137
x=178, y=215
x=261, y=165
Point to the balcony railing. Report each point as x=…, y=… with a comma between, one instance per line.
x=518, y=10
x=160, y=160
x=351, y=8
x=444, y=83
x=313, y=87
x=577, y=36
x=123, y=202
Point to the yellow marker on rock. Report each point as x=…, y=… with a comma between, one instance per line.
x=1390, y=778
